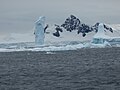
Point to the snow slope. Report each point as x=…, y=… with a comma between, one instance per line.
x=66, y=41
x=17, y=37
x=65, y=36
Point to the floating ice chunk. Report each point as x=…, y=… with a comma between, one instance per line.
x=50, y=52
x=100, y=38
x=39, y=31
x=101, y=32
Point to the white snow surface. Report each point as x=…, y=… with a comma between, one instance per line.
x=42, y=48
x=101, y=32
x=65, y=36
x=17, y=37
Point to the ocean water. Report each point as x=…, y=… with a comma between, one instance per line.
x=83, y=69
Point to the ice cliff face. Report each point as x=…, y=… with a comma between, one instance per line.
x=39, y=31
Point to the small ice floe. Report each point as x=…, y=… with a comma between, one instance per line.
x=50, y=53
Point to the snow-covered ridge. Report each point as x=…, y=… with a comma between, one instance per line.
x=73, y=29
x=67, y=41
x=71, y=35
x=65, y=36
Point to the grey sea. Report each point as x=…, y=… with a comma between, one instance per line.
x=84, y=69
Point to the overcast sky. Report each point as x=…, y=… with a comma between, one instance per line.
x=19, y=15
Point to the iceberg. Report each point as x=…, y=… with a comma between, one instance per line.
x=39, y=31
x=100, y=38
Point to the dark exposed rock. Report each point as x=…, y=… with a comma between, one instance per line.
x=73, y=23
x=46, y=28
x=58, y=28
x=95, y=27
x=57, y=34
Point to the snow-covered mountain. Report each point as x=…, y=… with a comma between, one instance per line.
x=66, y=41
x=72, y=29
x=64, y=36
x=75, y=30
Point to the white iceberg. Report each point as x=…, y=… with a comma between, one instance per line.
x=101, y=39
x=39, y=31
